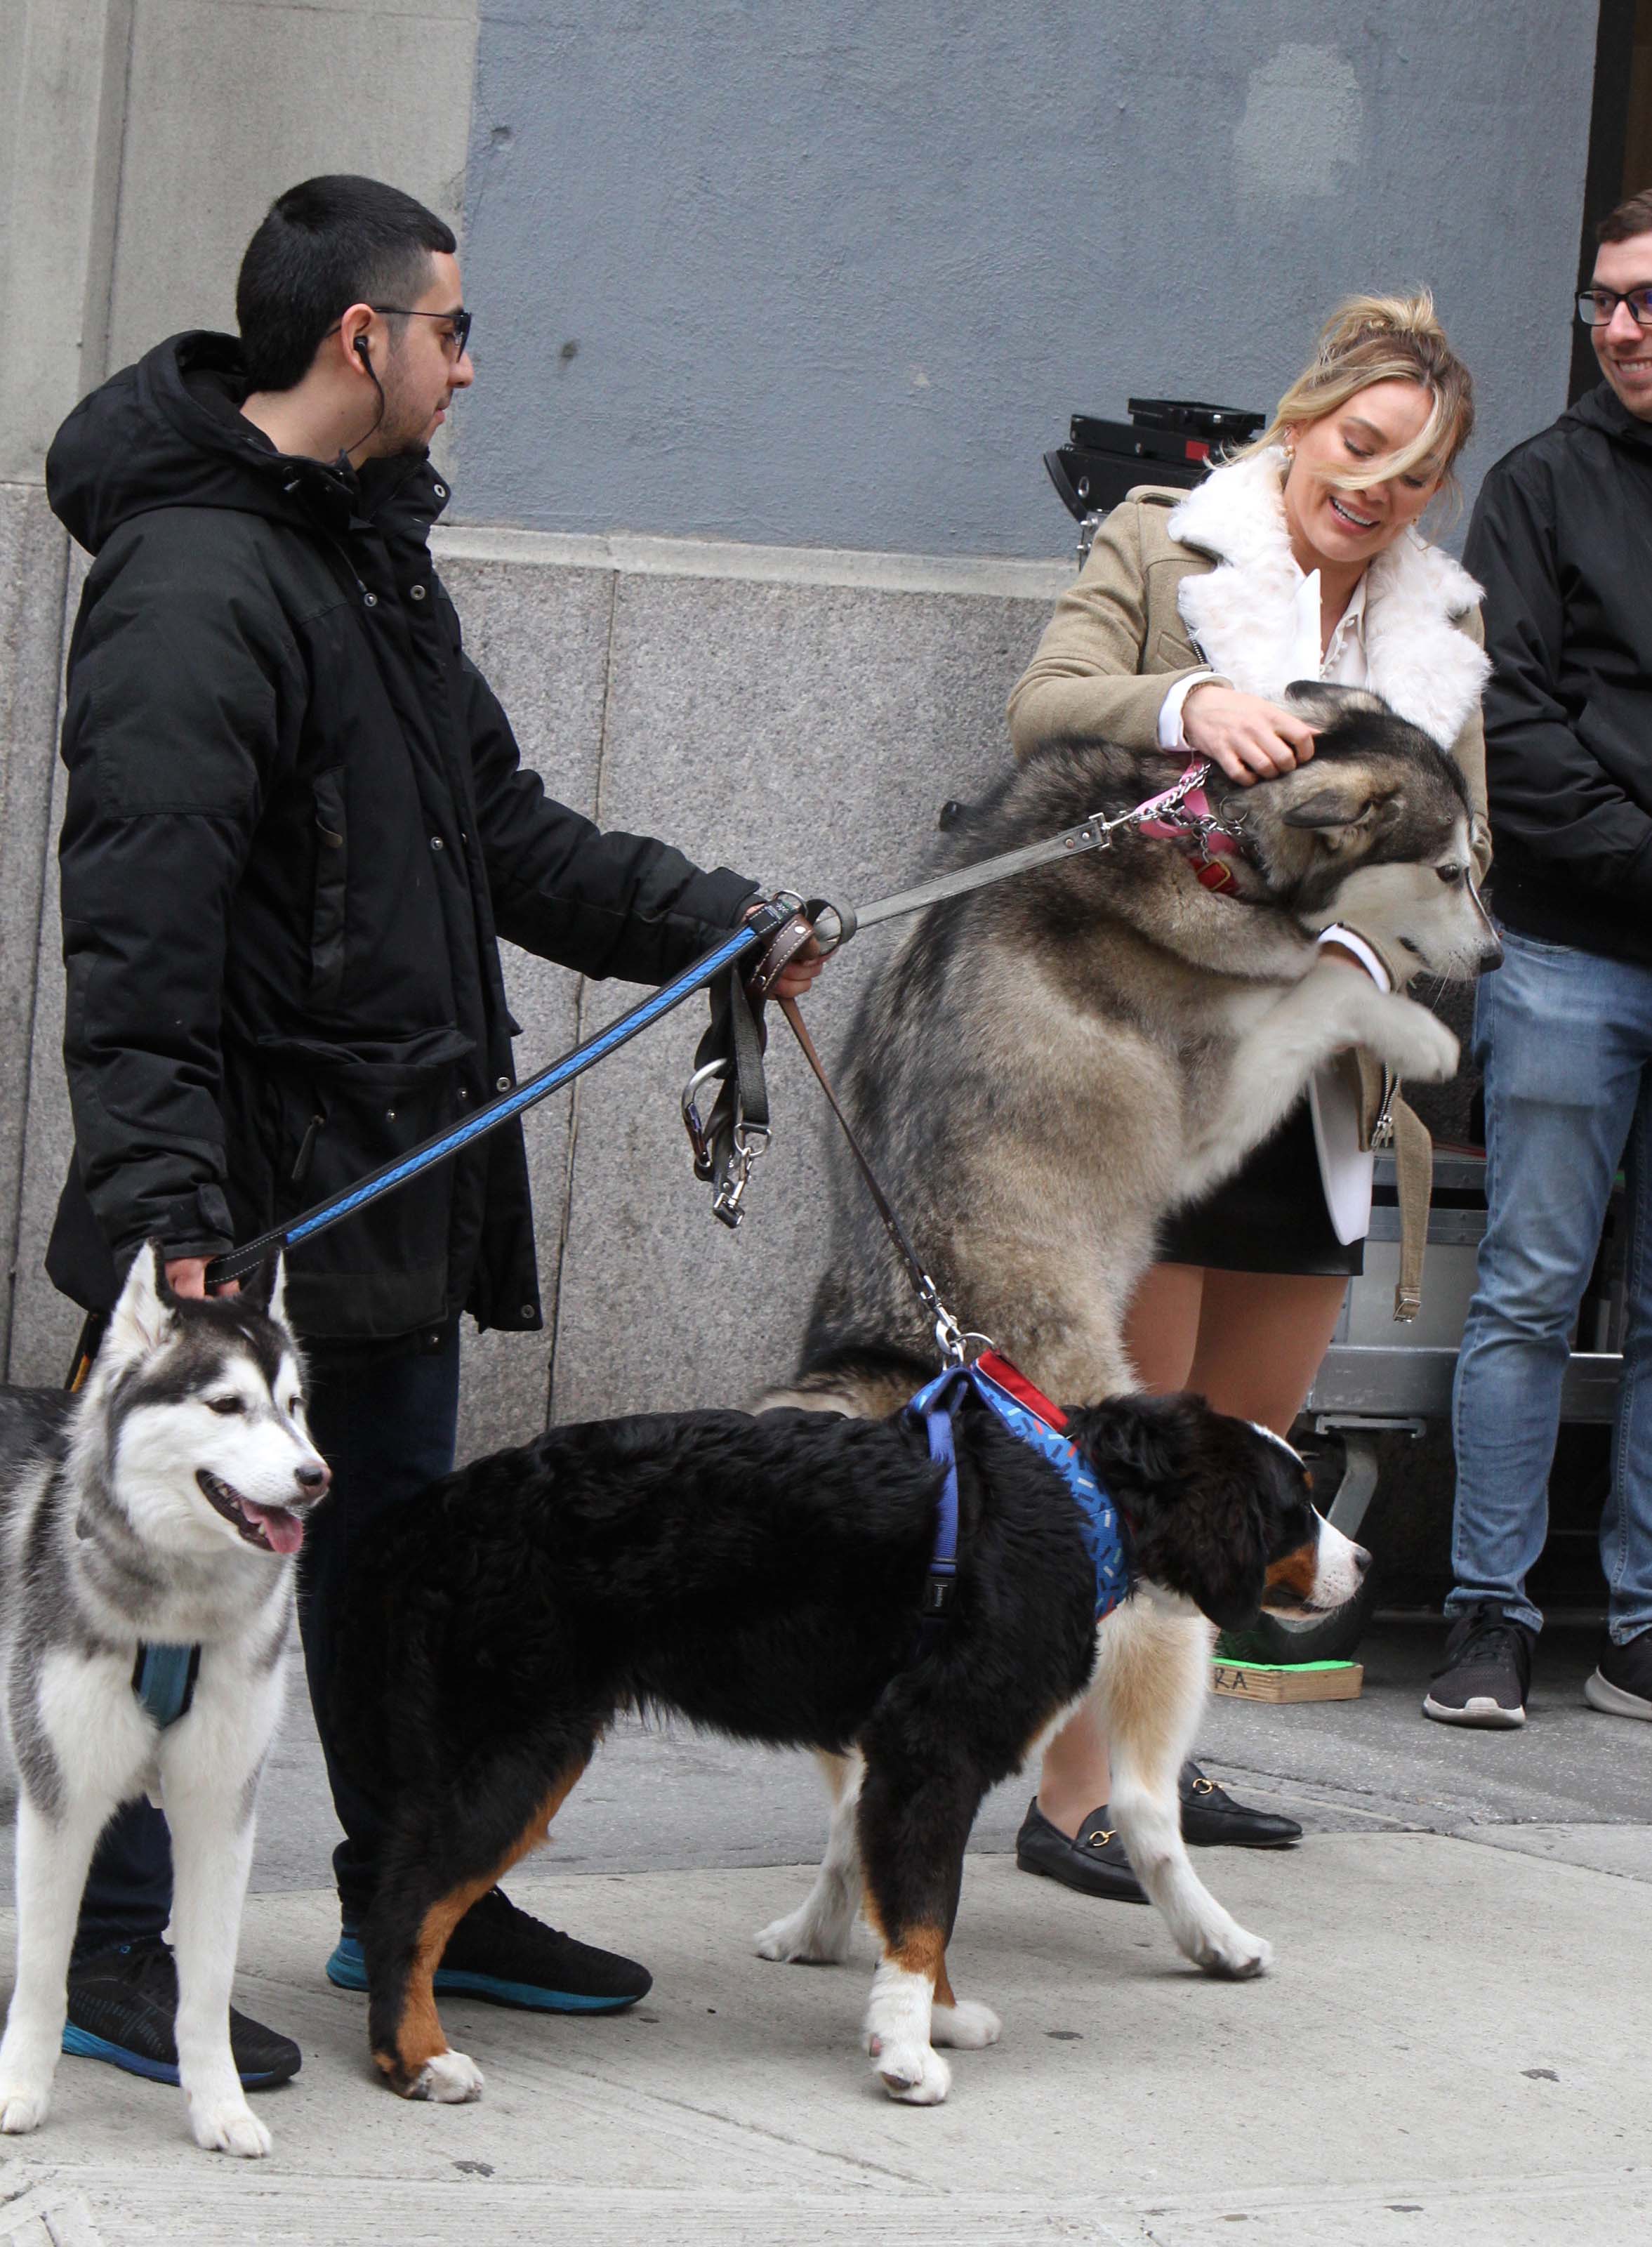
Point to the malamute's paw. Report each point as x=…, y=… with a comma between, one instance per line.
x=1417, y=1044
x=966, y=2027
x=23, y=2106
x=799, y=1939
x=229, y=2126
x=1231, y=1955
x=910, y=2072
x=451, y=2079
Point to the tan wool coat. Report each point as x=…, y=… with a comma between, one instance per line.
x=1181, y=582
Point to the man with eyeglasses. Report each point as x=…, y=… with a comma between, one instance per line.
x=296, y=825
x=1563, y=1031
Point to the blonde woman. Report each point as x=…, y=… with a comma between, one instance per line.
x=1301, y=558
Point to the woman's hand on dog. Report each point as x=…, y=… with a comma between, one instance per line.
x=1250, y=739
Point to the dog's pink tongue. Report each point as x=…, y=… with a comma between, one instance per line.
x=286, y=1531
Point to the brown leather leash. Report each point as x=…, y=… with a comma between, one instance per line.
x=949, y=1335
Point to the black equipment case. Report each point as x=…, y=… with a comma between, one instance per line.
x=1166, y=440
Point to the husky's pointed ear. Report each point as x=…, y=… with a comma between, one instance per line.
x=147, y=1310
x=1322, y=702
x=1351, y=808
x=266, y=1288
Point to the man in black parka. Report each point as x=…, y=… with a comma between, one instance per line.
x=298, y=823
x=1562, y=541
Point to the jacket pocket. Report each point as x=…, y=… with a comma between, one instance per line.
x=332, y=883
x=1172, y=652
x=341, y=1112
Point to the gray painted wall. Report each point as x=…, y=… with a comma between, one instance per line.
x=837, y=273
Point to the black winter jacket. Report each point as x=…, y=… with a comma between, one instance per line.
x=297, y=823
x=1561, y=540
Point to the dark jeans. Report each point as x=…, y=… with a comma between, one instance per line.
x=385, y=1429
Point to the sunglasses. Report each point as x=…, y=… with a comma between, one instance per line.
x=454, y=344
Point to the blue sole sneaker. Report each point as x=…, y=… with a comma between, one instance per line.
x=506, y=1957
x=122, y=2004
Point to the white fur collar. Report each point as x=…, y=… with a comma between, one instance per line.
x=1242, y=614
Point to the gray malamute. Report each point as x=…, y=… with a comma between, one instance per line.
x=1047, y=1068
x=159, y=1507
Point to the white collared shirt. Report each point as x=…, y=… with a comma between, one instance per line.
x=1342, y=663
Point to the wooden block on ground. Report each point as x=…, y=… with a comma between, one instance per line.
x=1294, y=1681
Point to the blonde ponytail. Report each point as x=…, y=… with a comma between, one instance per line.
x=1370, y=339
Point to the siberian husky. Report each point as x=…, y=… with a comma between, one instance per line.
x=161, y=1506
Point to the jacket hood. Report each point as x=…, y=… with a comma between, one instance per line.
x=1242, y=614
x=168, y=433
x=1603, y=409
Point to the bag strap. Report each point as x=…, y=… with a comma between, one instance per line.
x=1414, y=1177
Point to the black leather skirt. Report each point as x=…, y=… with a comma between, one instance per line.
x=1270, y=1216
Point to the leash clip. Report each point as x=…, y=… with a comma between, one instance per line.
x=694, y=1122
x=952, y=1340
x=748, y=1142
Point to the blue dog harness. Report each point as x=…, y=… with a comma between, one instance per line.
x=993, y=1382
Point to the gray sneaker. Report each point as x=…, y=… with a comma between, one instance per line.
x=1487, y=1671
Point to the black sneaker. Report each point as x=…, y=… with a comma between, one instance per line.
x=503, y=1954
x=1093, y=1861
x=1621, y=1686
x=1211, y=1820
x=1487, y=1671
x=121, y=2007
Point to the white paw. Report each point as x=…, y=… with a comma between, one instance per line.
x=1233, y=1954
x=21, y=2107
x=965, y=2026
x=229, y=2126
x=910, y=2072
x=1417, y=1044
x=450, y=2077
x=799, y=1939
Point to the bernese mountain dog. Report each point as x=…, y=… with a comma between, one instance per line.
x=763, y=1576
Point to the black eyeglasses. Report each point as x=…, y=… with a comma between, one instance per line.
x=1596, y=306
x=459, y=322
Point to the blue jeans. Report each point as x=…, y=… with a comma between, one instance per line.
x=1564, y=1038
x=385, y=1429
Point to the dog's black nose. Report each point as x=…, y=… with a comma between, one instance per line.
x=312, y=1480
x=1491, y=957
x=1362, y=1559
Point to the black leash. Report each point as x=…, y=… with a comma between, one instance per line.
x=735, y=1133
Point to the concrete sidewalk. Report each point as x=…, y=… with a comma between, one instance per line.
x=1451, y=2052
x=1451, y=2049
